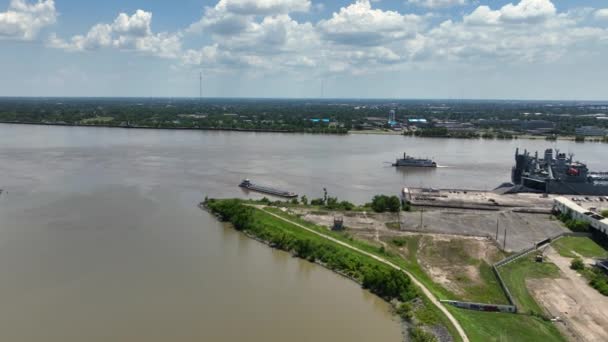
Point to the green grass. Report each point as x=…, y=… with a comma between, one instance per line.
x=515, y=275
x=584, y=246
x=487, y=292
x=503, y=327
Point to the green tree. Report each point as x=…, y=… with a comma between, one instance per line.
x=304, y=200
x=379, y=203
x=393, y=204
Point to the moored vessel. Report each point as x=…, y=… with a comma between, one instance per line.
x=246, y=183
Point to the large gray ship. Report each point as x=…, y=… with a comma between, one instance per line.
x=556, y=174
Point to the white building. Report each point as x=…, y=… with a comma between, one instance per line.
x=567, y=206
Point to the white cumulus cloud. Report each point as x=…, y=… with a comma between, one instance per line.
x=438, y=3
x=233, y=16
x=23, y=21
x=126, y=32
x=361, y=25
x=601, y=13
x=523, y=12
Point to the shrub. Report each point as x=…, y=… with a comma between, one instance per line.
x=577, y=264
x=317, y=201
x=346, y=205
x=605, y=213
x=399, y=242
x=404, y=310
x=577, y=225
x=304, y=200
x=419, y=335
x=382, y=203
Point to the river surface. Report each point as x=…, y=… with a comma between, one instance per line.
x=101, y=238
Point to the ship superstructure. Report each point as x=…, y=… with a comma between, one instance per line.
x=557, y=173
x=414, y=162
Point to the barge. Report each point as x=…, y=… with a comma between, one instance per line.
x=246, y=184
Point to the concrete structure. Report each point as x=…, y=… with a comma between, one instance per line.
x=537, y=125
x=591, y=131
x=577, y=212
x=453, y=126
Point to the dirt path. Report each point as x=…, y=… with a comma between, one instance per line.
x=582, y=308
x=424, y=289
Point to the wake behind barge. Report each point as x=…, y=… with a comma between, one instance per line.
x=246, y=184
x=559, y=175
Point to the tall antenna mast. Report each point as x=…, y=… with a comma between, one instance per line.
x=200, y=88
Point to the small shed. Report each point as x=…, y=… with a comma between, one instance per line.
x=338, y=224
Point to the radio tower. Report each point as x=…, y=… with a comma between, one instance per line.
x=200, y=90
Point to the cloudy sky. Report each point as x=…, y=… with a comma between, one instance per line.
x=449, y=49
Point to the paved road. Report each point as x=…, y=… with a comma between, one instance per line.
x=425, y=290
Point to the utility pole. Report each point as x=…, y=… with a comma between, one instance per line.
x=421, y=221
x=497, y=216
x=504, y=243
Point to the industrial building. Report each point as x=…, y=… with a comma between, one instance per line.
x=591, y=131
x=577, y=212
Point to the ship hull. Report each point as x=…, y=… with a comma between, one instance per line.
x=414, y=165
x=269, y=191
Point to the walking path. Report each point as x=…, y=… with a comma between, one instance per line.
x=424, y=289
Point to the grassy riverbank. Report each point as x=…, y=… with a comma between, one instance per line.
x=382, y=280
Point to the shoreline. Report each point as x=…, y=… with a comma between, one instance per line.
x=351, y=132
x=437, y=330
x=404, y=325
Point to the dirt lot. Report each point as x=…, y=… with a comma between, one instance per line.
x=584, y=311
x=523, y=229
x=457, y=262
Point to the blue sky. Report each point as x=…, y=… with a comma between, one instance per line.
x=521, y=49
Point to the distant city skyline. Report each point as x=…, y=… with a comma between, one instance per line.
x=378, y=49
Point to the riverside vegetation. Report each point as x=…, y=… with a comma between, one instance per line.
x=382, y=280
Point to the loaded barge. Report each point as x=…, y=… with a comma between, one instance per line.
x=246, y=184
